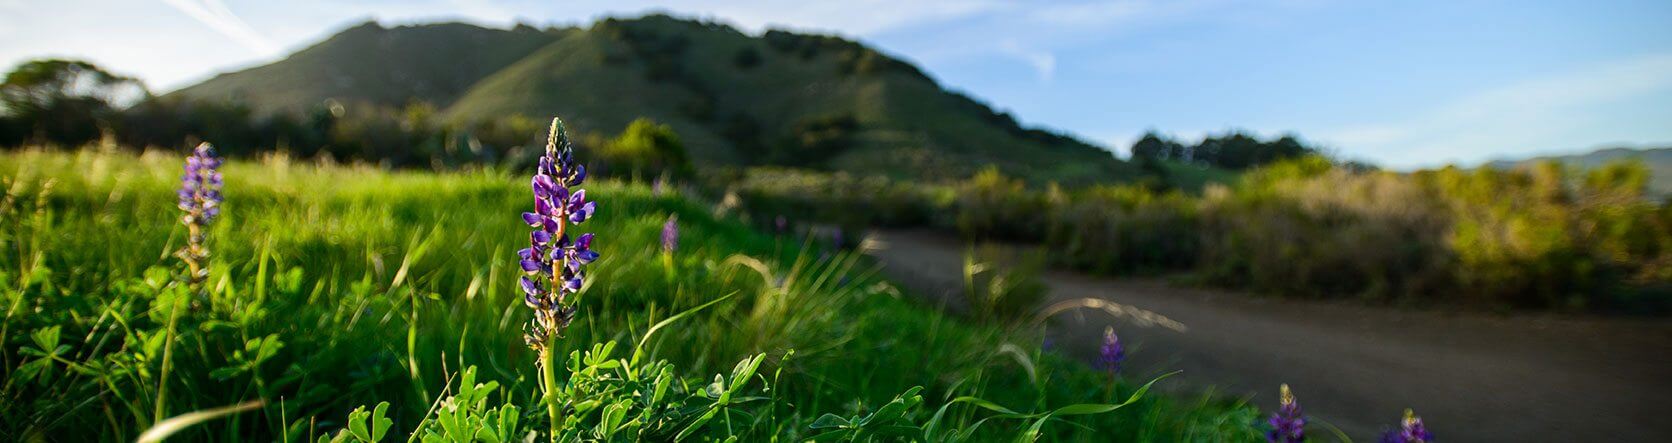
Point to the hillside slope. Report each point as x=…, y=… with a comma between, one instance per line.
x=372, y=64
x=779, y=98
x=1658, y=160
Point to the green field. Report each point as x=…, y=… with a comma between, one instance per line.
x=333, y=287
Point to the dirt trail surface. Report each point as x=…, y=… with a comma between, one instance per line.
x=1471, y=376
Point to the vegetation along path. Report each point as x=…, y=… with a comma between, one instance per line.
x=1471, y=376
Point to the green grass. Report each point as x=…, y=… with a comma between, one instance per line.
x=334, y=287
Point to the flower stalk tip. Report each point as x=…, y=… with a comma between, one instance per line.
x=200, y=200
x=554, y=261
x=1112, y=353
x=1288, y=424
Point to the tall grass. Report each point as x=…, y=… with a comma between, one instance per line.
x=333, y=287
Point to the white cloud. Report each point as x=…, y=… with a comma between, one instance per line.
x=1544, y=113
x=1043, y=62
x=215, y=15
x=1090, y=13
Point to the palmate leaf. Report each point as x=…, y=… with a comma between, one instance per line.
x=885, y=421
x=45, y=350
x=722, y=391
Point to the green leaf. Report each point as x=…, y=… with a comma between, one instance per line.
x=1085, y=409
x=46, y=338
x=357, y=424
x=380, y=421
x=699, y=423
x=829, y=420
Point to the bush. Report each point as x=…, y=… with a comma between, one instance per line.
x=1121, y=229
x=993, y=206
x=839, y=198
x=645, y=149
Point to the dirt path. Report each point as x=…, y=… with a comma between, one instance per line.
x=1472, y=376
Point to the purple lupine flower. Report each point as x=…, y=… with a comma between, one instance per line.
x=670, y=234
x=200, y=198
x=200, y=186
x=1112, y=353
x=781, y=223
x=656, y=187
x=554, y=260
x=1411, y=430
x=1288, y=425
x=836, y=237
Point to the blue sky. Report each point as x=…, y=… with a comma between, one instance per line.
x=1402, y=84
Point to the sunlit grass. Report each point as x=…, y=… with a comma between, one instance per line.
x=333, y=287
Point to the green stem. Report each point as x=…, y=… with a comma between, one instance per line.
x=548, y=371
x=168, y=351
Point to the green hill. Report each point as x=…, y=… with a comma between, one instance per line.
x=1658, y=160
x=372, y=64
x=779, y=98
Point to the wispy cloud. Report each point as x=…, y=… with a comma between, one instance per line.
x=1043, y=62
x=1091, y=13
x=1537, y=114
x=215, y=15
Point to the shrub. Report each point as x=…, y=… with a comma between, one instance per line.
x=993, y=206
x=645, y=149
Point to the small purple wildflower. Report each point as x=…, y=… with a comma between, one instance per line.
x=554, y=259
x=836, y=237
x=656, y=187
x=1288, y=425
x=1112, y=353
x=200, y=198
x=1411, y=430
x=781, y=223
x=670, y=234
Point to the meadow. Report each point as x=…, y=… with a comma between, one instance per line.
x=336, y=287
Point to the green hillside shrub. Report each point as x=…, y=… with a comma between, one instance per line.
x=991, y=205
x=645, y=149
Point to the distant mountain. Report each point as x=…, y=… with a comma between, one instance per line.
x=372, y=64
x=1658, y=160
x=779, y=98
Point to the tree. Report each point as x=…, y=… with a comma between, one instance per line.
x=1155, y=146
x=647, y=147
x=67, y=102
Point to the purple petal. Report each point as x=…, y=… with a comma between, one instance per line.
x=530, y=287
x=584, y=241
x=544, y=186
x=530, y=266
x=531, y=218
x=585, y=257
x=582, y=213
